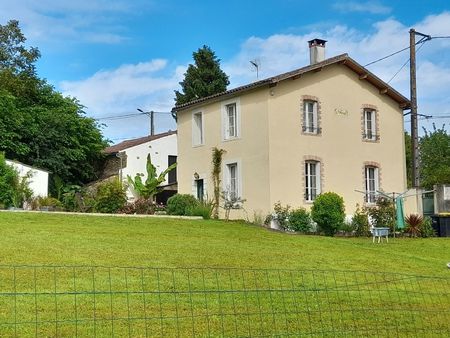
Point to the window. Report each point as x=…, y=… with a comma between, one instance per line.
x=230, y=119
x=172, y=176
x=232, y=183
x=370, y=131
x=310, y=124
x=371, y=180
x=197, y=129
x=312, y=180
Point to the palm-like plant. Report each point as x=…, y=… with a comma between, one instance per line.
x=414, y=224
x=150, y=187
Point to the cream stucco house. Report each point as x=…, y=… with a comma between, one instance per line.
x=330, y=126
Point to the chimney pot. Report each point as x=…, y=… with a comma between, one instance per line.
x=316, y=50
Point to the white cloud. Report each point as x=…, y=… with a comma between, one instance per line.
x=146, y=85
x=123, y=90
x=284, y=52
x=95, y=21
x=373, y=7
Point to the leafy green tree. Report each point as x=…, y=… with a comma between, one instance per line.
x=150, y=187
x=38, y=125
x=435, y=157
x=13, y=54
x=203, y=78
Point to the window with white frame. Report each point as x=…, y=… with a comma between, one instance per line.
x=312, y=180
x=310, y=124
x=230, y=119
x=197, y=129
x=370, y=131
x=232, y=183
x=372, y=183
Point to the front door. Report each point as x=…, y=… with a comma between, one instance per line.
x=200, y=191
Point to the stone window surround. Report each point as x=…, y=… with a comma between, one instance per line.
x=319, y=114
x=377, y=123
x=375, y=165
x=311, y=158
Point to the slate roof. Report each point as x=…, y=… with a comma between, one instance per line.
x=343, y=59
x=135, y=142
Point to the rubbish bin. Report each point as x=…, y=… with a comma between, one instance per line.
x=444, y=225
x=441, y=225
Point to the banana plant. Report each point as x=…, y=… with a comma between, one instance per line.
x=150, y=187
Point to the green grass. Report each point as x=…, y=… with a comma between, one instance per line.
x=284, y=293
x=38, y=239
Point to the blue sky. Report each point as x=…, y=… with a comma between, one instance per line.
x=118, y=55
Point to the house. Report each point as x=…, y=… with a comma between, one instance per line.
x=38, y=178
x=129, y=158
x=330, y=126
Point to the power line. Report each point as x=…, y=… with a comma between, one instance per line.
x=131, y=115
x=406, y=62
x=422, y=40
x=431, y=118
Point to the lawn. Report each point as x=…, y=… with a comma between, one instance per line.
x=213, y=278
x=48, y=239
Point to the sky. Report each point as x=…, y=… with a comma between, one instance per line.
x=116, y=56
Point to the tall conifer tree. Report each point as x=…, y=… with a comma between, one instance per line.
x=203, y=78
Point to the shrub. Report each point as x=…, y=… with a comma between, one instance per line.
x=299, y=220
x=14, y=190
x=427, y=229
x=413, y=225
x=203, y=209
x=281, y=214
x=328, y=212
x=383, y=213
x=360, y=222
x=50, y=202
x=347, y=228
x=181, y=204
x=110, y=197
x=141, y=206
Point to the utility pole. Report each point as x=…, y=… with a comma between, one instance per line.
x=151, y=114
x=413, y=88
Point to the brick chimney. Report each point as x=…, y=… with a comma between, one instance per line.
x=316, y=50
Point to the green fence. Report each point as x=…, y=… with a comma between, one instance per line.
x=61, y=301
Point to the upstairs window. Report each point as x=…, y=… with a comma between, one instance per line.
x=197, y=129
x=370, y=127
x=372, y=184
x=312, y=180
x=310, y=117
x=230, y=120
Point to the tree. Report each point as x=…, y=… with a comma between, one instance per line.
x=38, y=125
x=13, y=54
x=202, y=79
x=150, y=187
x=435, y=157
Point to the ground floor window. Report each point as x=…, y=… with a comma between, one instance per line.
x=312, y=180
x=372, y=183
x=232, y=181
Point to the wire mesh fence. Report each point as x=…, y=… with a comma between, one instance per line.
x=61, y=301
